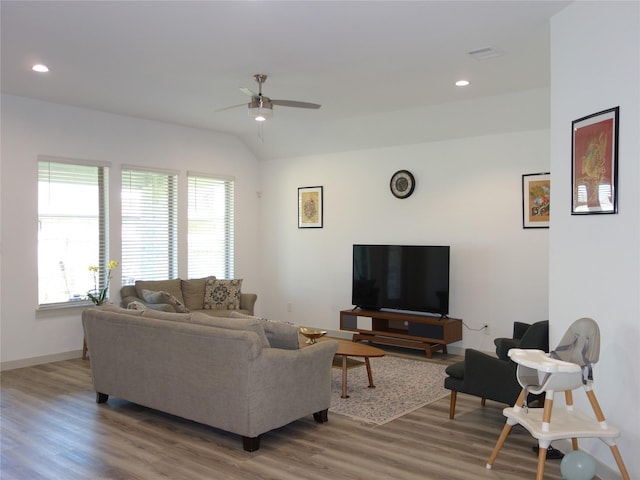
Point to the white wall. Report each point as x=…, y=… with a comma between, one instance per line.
x=31, y=128
x=595, y=260
x=468, y=195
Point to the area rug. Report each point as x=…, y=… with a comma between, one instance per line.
x=402, y=385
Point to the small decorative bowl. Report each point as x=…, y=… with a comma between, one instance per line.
x=312, y=334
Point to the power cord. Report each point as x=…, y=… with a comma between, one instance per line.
x=483, y=327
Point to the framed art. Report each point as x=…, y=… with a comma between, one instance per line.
x=536, y=200
x=310, y=207
x=594, y=163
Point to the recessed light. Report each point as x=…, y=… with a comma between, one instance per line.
x=40, y=68
x=462, y=83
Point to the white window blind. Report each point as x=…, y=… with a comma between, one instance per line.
x=149, y=226
x=72, y=229
x=210, y=219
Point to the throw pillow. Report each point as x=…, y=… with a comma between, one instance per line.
x=136, y=306
x=193, y=292
x=164, y=297
x=222, y=294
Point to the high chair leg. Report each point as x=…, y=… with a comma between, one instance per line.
x=542, y=457
x=505, y=433
x=503, y=436
x=621, y=466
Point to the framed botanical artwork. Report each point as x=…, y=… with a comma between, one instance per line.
x=310, y=207
x=536, y=200
x=594, y=163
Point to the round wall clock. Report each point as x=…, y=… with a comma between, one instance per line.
x=402, y=183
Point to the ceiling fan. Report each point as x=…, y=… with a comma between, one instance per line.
x=261, y=107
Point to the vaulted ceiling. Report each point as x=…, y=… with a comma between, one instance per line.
x=366, y=62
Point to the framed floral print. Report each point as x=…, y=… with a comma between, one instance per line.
x=310, y=207
x=536, y=200
x=594, y=163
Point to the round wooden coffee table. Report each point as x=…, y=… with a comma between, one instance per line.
x=346, y=349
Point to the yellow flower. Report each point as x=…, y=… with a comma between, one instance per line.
x=99, y=295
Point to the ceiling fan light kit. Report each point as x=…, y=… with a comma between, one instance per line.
x=261, y=107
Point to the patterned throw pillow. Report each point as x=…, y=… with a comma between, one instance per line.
x=164, y=297
x=222, y=294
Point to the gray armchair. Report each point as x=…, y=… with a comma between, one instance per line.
x=491, y=377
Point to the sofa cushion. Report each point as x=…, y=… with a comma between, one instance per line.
x=222, y=294
x=164, y=297
x=193, y=292
x=174, y=287
x=109, y=307
x=456, y=370
x=172, y=316
x=280, y=334
x=232, y=324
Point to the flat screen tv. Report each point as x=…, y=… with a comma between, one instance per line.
x=401, y=277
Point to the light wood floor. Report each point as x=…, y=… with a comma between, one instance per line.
x=51, y=428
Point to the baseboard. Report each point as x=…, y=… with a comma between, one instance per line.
x=30, y=362
x=340, y=334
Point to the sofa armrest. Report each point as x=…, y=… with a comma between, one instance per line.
x=282, y=335
x=129, y=294
x=289, y=384
x=125, y=301
x=503, y=345
x=296, y=366
x=489, y=377
x=248, y=301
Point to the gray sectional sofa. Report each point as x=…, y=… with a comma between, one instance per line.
x=189, y=293
x=242, y=375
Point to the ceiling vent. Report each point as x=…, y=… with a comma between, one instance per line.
x=484, y=53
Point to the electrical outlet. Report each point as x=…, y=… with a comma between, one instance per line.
x=289, y=307
x=485, y=329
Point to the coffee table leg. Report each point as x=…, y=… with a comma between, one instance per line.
x=366, y=362
x=344, y=377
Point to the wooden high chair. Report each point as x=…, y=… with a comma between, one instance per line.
x=567, y=368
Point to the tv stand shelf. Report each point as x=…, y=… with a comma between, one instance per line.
x=418, y=331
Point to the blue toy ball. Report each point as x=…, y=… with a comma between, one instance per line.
x=578, y=465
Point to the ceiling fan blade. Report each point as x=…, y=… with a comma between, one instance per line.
x=294, y=103
x=232, y=106
x=248, y=92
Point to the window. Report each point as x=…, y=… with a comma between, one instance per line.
x=149, y=225
x=72, y=228
x=210, y=235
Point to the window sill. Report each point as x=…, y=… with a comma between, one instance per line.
x=57, y=309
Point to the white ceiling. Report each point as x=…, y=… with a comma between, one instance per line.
x=180, y=61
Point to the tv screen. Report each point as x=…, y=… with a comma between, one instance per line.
x=401, y=277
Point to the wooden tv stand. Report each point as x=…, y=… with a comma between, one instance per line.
x=417, y=331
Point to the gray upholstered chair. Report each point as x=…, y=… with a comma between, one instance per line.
x=491, y=377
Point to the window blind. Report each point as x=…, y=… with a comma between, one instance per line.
x=149, y=226
x=210, y=226
x=72, y=229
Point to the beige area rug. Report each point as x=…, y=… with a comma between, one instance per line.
x=402, y=385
